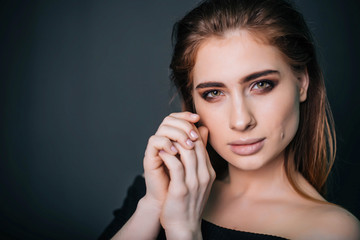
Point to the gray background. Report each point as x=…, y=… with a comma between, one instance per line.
x=85, y=83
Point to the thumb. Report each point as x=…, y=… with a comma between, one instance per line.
x=204, y=133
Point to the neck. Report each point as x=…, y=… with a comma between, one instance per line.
x=269, y=179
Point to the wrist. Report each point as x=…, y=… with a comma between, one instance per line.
x=186, y=232
x=146, y=217
x=150, y=205
x=183, y=234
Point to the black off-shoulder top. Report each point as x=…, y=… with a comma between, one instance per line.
x=209, y=230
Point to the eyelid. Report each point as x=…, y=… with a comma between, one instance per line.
x=272, y=84
x=205, y=93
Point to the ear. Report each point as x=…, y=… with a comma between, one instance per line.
x=303, y=79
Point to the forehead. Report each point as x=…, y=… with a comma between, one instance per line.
x=235, y=55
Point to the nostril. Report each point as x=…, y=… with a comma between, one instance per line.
x=241, y=118
x=243, y=123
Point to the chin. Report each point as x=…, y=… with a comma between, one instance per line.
x=248, y=164
x=252, y=162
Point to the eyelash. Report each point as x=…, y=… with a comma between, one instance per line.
x=205, y=94
x=271, y=85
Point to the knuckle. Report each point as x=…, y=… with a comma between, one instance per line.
x=151, y=139
x=168, y=118
x=156, y=140
x=205, y=179
x=180, y=191
x=187, y=125
x=193, y=185
x=184, y=136
x=162, y=128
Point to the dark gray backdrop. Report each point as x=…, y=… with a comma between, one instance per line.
x=85, y=83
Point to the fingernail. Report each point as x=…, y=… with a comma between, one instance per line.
x=190, y=143
x=194, y=115
x=193, y=134
x=174, y=149
x=161, y=151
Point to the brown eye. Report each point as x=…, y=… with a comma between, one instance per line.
x=214, y=93
x=265, y=85
x=261, y=85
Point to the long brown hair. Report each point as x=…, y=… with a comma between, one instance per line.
x=278, y=23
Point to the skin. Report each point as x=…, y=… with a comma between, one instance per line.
x=249, y=121
x=178, y=176
x=257, y=196
x=247, y=110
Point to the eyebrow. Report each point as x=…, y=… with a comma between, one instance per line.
x=210, y=85
x=260, y=74
x=246, y=79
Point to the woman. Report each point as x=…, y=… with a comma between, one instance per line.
x=255, y=110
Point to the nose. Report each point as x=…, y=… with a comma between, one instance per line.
x=241, y=117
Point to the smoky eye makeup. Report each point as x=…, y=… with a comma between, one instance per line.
x=211, y=94
x=263, y=85
x=210, y=91
x=257, y=87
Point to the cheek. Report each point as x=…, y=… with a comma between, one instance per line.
x=282, y=116
x=290, y=124
x=211, y=117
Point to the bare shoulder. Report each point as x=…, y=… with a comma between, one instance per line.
x=327, y=221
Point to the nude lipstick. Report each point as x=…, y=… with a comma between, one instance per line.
x=247, y=147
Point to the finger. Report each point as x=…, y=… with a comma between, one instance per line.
x=206, y=173
x=206, y=176
x=188, y=116
x=204, y=166
x=176, y=169
x=204, y=133
x=155, y=144
x=183, y=124
x=200, y=150
x=175, y=134
x=189, y=161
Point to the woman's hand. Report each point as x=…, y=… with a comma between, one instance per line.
x=178, y=177
x=191, y=177
x=176, y=128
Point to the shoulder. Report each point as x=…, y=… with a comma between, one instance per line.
x=323, y=220
x=328, y=221
x=134, y=193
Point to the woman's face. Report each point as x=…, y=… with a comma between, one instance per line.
x=248, y=97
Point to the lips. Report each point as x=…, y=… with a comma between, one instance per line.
x=247, y=147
